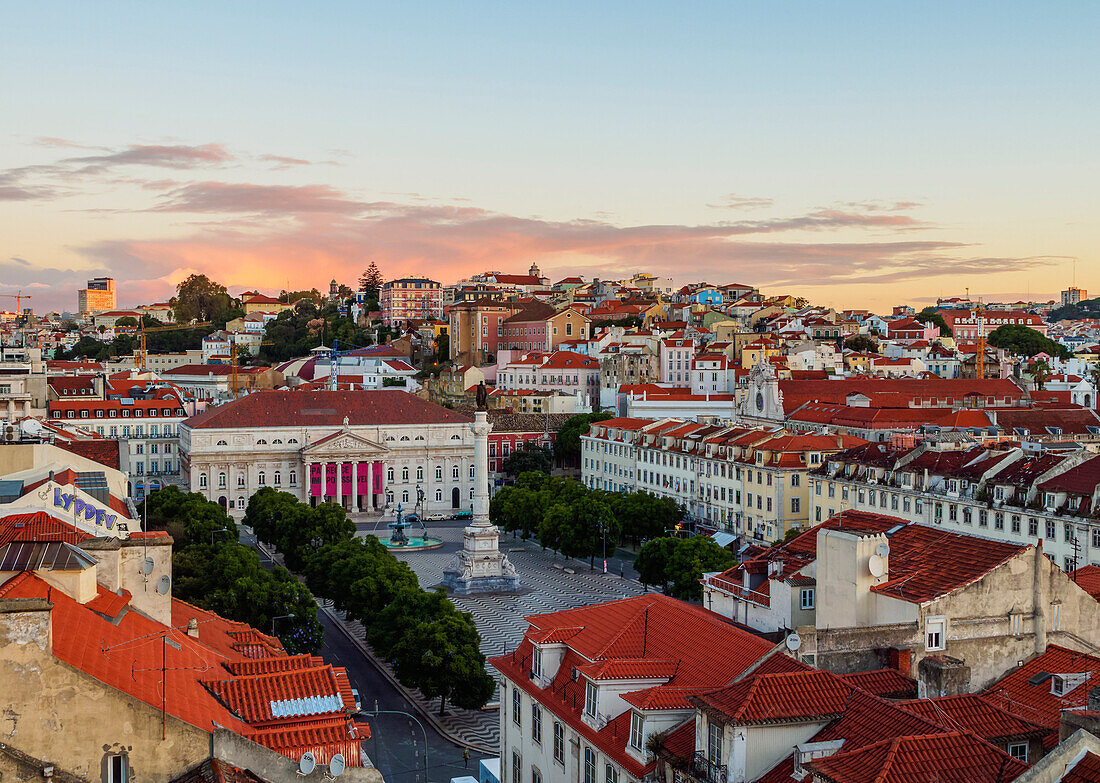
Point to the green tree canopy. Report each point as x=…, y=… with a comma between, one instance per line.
x=567, y=445
x=531, y=457
x=929, y=316
x=861, y=343
x=198, y=298
x=678, y=564
x=1024, y=341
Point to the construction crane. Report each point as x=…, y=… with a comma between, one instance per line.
x=142, y=353
x=334, y=354
x=234, y=378
x=979, y=354
x=18, y=297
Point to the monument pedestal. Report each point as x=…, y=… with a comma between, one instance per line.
x=480, y=567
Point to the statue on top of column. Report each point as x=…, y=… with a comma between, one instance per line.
x=482, y=397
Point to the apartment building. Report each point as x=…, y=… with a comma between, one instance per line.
x=563, y=371
x=410, y=299
x=477, y=329
x=586, y=688
x=98, y=295
x=1004, y=494
x=751, y=482
x=144, y=417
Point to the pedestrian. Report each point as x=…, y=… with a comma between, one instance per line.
x=466, y=758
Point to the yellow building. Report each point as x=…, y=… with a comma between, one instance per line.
x=762, y=349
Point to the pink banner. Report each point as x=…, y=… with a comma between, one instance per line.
x=326, y=486
x=315, y=481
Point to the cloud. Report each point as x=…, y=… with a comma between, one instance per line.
x=229, y=198
x=53, y=141
x=324, y=232
x=177, y=156
x=734, y=201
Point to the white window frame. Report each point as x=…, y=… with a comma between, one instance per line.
x=1018, y=750
x=637, y=730
x=806, y=593
x=591, y=699
x=935, y=625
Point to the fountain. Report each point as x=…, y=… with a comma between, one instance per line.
x=399, y=539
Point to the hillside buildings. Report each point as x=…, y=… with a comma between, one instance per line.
x=410, y=299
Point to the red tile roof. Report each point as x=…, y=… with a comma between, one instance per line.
x=1087, y=577
x=888, y=683
x=1086, y=770
x=1015, y=694
x=652, y=628
x=39, y=526
x=324, y=409
x=976, y=714
x=945, y=758
x=787, y=696
x=123, y=649
x=105, y=452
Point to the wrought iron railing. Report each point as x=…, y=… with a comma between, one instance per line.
x=705, y=770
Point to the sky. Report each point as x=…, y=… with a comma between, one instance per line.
x=862, y=154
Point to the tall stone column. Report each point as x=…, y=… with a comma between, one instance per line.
x=370, y=485
x=355, y=485
x=340, y=484
x=480, y=567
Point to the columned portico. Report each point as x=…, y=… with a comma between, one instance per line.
x=354, y=465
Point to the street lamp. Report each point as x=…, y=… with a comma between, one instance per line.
x=278, y=617
x=214, y=532
x=603, y=532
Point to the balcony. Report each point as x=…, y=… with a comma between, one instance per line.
x=702, y=770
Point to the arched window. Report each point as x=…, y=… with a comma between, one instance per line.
x=276, y=440
x=261, y=479
x=471, y=493
x=278, y=479
x=438, y=472
x=404, y=437
x=405, y=496
x=404, y=474
x=241, y=503
x=420, y=473
x=240, y=479
x=454, y=472
x=261, y=442
x=221, y=481
x=456, y=437
x=293, y=478
x=419, y=437
x=389, y=498
x=202, y=481
x=222, y=443
x=471, y=471
x=389, y=475
x=292, y=440
x=439, y=496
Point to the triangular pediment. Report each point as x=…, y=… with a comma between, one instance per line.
x=343, y=442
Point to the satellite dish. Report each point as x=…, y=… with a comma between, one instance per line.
x=876, y=566
x=794, y=641
x=883, y=550
x=147, y=566
x=307, y=763
x=336, y=765
x=164, y=584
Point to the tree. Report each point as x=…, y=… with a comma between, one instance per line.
x=651, y=560
x=691, y=558
x=410, y=606
x=567, y=446
x=861, y=343
x=127, y=321
x=442, y=346
x=1024, y=341
x=531, y=458
x=442, y=658
x=1040, y=373
x=371, y=281
x=929, y=316
x=359, y=575
x=678, y=564
x=198, y=298
x=644, y=515
x=293, y=296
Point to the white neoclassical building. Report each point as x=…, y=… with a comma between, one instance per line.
x=360, y=449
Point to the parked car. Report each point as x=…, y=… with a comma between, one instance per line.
x=464, y=514
x=436, y=517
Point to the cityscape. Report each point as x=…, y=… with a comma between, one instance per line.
x=361, y=418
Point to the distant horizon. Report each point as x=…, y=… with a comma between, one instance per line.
x=861, y=157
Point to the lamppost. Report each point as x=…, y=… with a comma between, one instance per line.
x=603, y=533
x=278, y=617
x=213, y=532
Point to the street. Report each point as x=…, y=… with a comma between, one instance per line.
x=396, y=744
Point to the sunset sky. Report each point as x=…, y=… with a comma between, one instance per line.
x=860, y=154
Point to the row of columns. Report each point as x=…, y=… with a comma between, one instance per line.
x=340, y=482
x=11, y=410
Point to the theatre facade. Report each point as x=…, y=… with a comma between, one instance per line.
x=363, y=450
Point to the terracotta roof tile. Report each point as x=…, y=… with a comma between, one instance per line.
x=946, y=758
x=976, y=714
x=888, y=683
x=1026, y=691
x=324, y=409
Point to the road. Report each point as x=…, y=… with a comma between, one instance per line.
x=396, y=744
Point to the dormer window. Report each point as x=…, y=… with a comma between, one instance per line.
x=536, y=664
x=590, y=699
x=637, y=730
x=1057, y=685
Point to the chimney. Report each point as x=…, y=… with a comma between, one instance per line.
x=942, y=675
x=193, y=628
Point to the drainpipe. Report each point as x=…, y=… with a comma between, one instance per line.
x=1039, y=620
